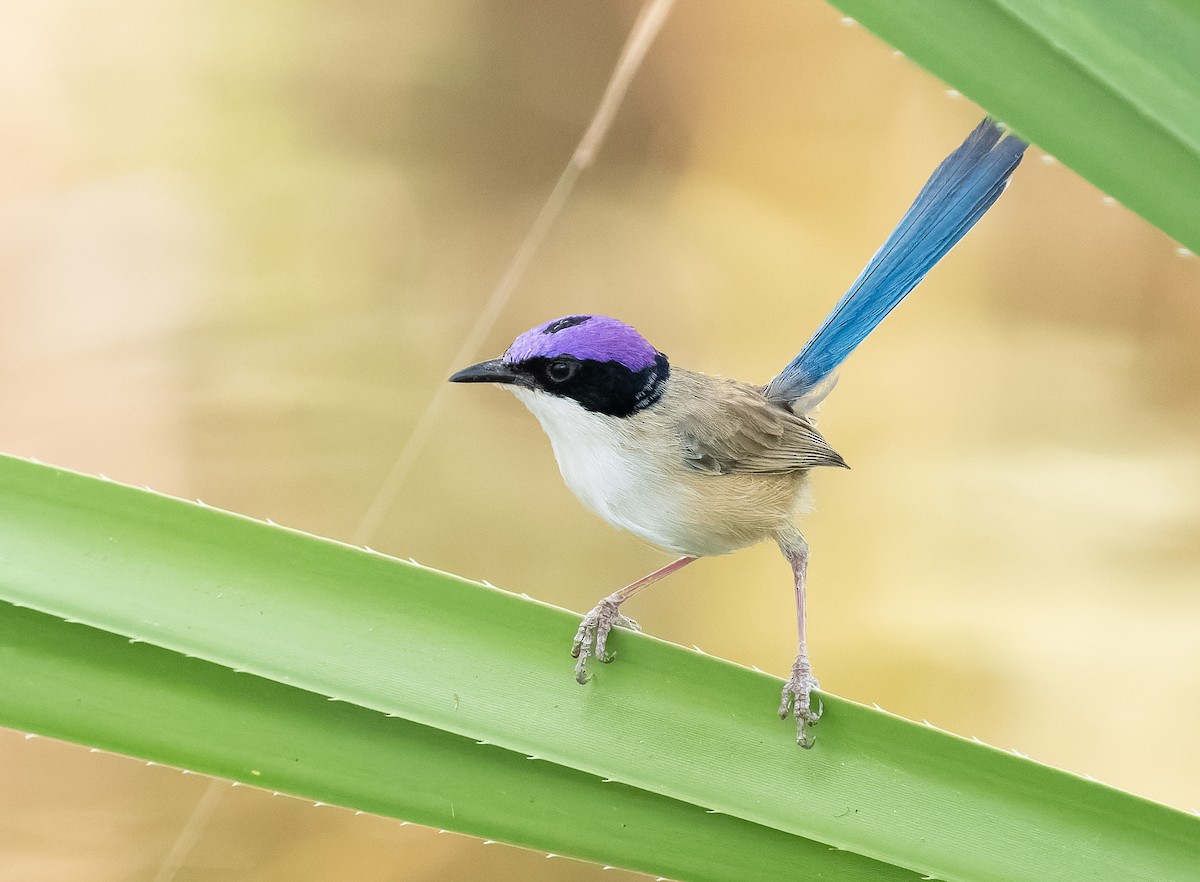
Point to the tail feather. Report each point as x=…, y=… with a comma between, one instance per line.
x=956, y=196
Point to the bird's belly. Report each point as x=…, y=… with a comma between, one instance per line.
x=638, y=481
x=681, y=511
x=640, y=504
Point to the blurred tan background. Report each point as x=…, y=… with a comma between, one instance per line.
x=239, y=244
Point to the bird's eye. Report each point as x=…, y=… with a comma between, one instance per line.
x=559, y=371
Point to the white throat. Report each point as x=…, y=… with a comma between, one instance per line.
x=610, y=463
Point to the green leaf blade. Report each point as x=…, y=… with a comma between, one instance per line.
x=70, y=681
x=1109, y=88
x=482, y=664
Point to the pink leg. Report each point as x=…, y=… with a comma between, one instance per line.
x=797, y=691
x=592, y=636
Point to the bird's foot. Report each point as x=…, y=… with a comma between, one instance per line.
x=592, y=636
x=798, y=700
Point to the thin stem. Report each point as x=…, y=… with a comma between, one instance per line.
x=649, y=22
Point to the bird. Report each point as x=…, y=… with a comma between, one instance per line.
x=700, y=465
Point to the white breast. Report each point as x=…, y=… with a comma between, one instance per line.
x=631, y=472
x=612, y=465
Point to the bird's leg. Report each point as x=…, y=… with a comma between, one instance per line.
x=592, y=636
x=797, y=692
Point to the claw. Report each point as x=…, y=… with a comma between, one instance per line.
x=591, y=639
x=798, y=700
x=806, y=722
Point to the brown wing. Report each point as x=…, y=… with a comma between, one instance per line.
x=733, y=429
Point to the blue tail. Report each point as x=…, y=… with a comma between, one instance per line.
x=956, y=195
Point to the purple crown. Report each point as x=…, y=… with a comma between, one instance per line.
x=592, y=337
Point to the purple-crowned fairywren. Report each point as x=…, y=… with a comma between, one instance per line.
x=701, y=465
